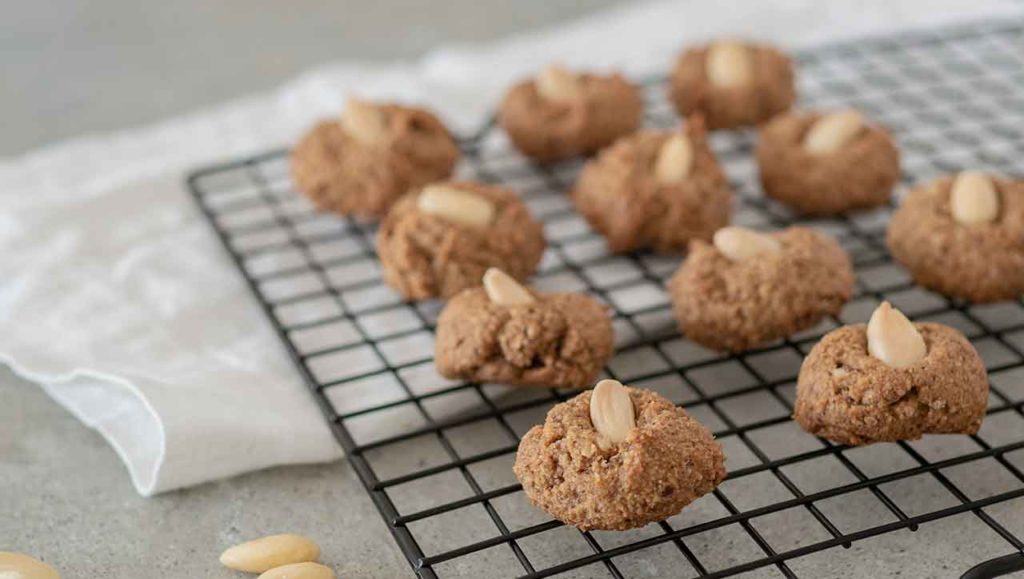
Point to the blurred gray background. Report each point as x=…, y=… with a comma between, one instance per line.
x=72, y=67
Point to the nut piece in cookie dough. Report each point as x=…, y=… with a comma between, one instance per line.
x=591, y=466
x=747, y=288
x=891, y=380
x=561, y=113
x=440, y=239
x=824, y=164
x=732, y=83
x=360, y=164
x=507, y=333
x=655, y=189
x=963, y=236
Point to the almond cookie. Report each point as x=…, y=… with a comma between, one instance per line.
x=561, y=114
x=504, y=332
x=824, y=164
x=891, y=380
x=963, y=236
x=747, y=288
x=361, y=164
x=439, y=240
x=733, y=84
x=655, y=189
x=617, y=458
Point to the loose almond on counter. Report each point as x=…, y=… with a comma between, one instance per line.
x=260, y=555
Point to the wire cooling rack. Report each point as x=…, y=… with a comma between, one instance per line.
x=435, y=456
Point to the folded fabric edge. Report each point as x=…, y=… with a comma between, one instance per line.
x=114, y=408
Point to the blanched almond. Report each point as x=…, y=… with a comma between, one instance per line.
x=611, y=412
x=504, y=290
x=364, y=121
x=833, y=131
x=259, y=555
x=456, y=205
x=973, y=198
x=556, y=83
x=675, y=158
x=739, y=243
x=299, y=571
x=729, y=64
x=19, y=566
x=893, y=339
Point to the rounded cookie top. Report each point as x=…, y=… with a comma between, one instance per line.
x=729, y=304
x=849, y=396
x=429, y=253
x=818, y=169
x=557, y=340
x=667, y=461
x=625, y=197
x=979, y=262
x=733, y=84
x=362, y=165
x=585, y=113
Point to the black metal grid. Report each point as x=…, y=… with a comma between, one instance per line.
x=435, y=456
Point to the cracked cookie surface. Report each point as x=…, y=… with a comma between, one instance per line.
x=666, y=462
x=426, y=256
x=848, y=396
x=734, y=306
x=620, y=196
x=978, y=262
x=343, y=175
x=561, y=340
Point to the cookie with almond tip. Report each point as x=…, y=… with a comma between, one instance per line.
x=747, y=288
x=655, y=189
x=561, y=113
x=439, y=240
x=507, y=333
x=963, y=236
x=891, y=380
x=616, y=458
x=732, y=83
x=825, y=164
x=360, y=164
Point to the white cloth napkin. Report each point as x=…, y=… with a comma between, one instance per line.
x=116, y=298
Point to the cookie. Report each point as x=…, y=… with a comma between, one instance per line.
x=561, y=114
x=963, y=237
x=617, y=458
x=891, y=380
x=361, y=164
x=824, y=164
x=733, y=84
x=747, y=288
x=439, y=240
x=655, y=189
x=508, y=334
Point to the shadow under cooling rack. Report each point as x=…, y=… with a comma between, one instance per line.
x=436, y=455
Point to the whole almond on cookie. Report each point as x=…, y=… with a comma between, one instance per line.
x=263, y=554
x=364, y=121
x=973, y=198
x=729, y=64
x=611, y=412
x=456, y=205
x=833, y=131
x=555, y=83
x=739, y=243
x=19, y=566
x=503, y=290
x=893, y=339
x=675, y=159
